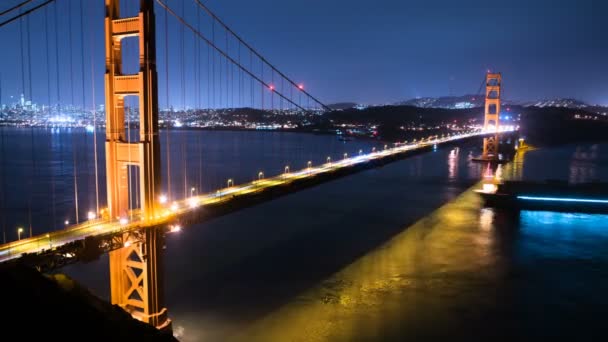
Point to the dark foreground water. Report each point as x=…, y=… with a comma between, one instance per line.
x=401, y=253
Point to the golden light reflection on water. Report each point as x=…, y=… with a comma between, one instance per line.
x=429, y=272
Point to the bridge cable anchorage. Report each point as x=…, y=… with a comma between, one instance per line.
x=248, y=46
x=22, y=14
x=223, y=53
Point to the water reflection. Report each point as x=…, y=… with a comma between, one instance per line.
x=583, y=164
x=397, y=288
x=453, y=159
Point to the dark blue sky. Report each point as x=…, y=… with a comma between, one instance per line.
x=352, y=50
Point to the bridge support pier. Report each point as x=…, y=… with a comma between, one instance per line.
x=136, y=269
x=136, y=276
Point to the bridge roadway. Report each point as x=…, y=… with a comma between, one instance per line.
x=61, y=246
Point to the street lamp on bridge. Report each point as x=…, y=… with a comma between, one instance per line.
x=19, y=231
x=230, y=182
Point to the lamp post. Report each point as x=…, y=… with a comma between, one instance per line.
x=192, y=192
x=286, y=170
x=260, y=175
x=229, y=182
x=309, y=165
x=360, y=152
x=19, y=231
x=329, y=160
x=345, y=155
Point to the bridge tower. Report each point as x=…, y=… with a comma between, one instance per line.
x=136, y=269
x=492, y=115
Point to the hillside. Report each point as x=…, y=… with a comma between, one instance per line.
x=36, y=307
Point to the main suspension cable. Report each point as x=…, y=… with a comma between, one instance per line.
x=221, y=52
x=215, y=17
x=8, y=21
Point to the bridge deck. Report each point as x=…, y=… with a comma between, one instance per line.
x=57, y=241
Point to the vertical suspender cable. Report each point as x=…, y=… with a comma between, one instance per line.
x=74, y=145
x=84, y=96
x=183, y=90
x=57, y=57
x=198, y=97
x=251, y=79
x=227, y=73
x=33, y=152
x=2, y=178
x=220, y=72
x=48, y=93
x=92, y=47
x=168, y=116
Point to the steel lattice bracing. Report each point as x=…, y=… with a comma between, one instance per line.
x=135, y=269
x=136, y=277
x=492, y=115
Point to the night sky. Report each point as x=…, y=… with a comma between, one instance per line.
x=347, y=50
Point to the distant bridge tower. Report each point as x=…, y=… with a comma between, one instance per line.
x=136, y=269
x=492, y=115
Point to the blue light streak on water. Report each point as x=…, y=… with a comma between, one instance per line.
x=560, y=199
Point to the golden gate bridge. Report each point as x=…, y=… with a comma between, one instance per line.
x=139, y=210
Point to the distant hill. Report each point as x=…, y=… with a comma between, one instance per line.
x=446, y=102
x=404, y=115
x=558, y=103
x=473, y=101
x=342, y=105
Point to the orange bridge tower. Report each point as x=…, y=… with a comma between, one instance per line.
x=492, y=115
x=136, y=269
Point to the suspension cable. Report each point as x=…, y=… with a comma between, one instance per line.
x=15, y=7
x=8, y=21
x=206, y=9
x=220, y=51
